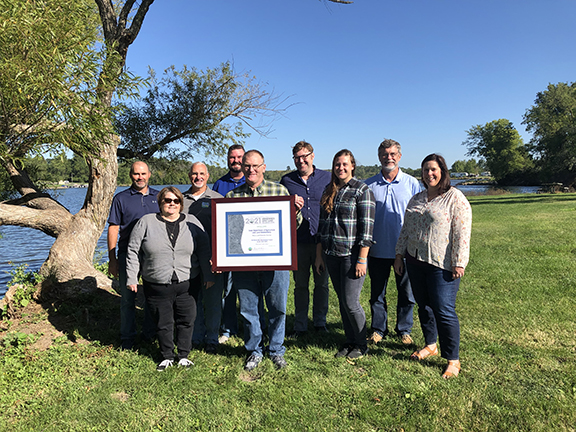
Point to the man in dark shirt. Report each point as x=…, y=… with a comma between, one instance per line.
x=309, y=183
x=127, y=208
x=197, y=202
x=223, y=185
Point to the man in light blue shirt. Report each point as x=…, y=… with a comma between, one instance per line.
x=392, y=190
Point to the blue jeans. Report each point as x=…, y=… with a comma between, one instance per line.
x=273, y=286
x=435, y=292
x=348, y=287
x=379, y=270
x=207, y=324
x=229, y=316
x=306, y=259
x=128, y=309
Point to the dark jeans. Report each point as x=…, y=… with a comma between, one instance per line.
x=128, y=309
x=209, y=312
x=348, y=287
x=173, y=304
x=435, y=292
x=229, y=314
x=379, y=270
x=306, y=259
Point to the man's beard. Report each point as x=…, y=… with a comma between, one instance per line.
x=388, y=168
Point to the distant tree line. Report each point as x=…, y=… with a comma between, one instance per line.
x=549, y=156
x=50, y=171
x=470, y=166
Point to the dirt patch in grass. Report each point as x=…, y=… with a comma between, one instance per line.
x=80, y=319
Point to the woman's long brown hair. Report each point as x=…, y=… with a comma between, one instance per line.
x=327, y=200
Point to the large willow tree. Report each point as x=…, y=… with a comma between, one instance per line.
x=57, y=84
x=62, y=64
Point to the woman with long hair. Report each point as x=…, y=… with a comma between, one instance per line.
x=345, y=230
x=435, y=241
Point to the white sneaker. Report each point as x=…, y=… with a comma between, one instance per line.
x=185, y=363
x=164, y=364
x=223, y=339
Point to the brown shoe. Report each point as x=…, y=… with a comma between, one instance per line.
x=406, y=339
x=374, y=338
x=452, y=370
x=424, y=353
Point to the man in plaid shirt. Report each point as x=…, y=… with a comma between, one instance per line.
x=272, y=285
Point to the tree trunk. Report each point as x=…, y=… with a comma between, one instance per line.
x=70, y=257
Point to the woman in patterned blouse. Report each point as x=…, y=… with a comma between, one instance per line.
x=435, y=240
x=347, y=210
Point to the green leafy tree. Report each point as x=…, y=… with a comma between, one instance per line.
x=190, y=112
x=57, y=83
x=471, y=166
x=552, y=121
x=500, y=144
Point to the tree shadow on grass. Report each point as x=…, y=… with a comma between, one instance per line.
x=524, y=199
x=94, y=315
x=79, y=310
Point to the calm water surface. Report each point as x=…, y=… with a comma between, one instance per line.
x=25, y=245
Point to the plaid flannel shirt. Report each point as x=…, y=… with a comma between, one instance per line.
x=351, y=223
x=266, y=188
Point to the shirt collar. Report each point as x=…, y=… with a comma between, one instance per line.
x=396, y=179
x=134, y=191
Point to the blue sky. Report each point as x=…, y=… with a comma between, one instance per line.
x=421, y=72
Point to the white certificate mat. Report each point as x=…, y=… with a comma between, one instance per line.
x=254, y=234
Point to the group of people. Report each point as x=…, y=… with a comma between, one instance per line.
x=346, y=229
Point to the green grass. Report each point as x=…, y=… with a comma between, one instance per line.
x=517, y=308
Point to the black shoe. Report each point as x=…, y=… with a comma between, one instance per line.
x=357, y=353
x=127, y=344
x=297, y=334
x=211, y=349
x=252, y=362
x=321, y=329
x=343, y=352
x=279, y=361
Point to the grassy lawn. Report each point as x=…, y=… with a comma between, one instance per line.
x=517, y=308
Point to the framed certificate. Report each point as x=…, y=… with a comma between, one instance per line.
x=254, y=234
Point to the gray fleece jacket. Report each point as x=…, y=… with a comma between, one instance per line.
x=151, y=253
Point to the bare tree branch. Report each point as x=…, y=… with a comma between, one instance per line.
x=51, y=222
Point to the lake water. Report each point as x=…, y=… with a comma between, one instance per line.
x=24, y=245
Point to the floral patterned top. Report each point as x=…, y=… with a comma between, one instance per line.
x=437, y=232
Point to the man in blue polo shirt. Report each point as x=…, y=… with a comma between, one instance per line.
x=392, y=190
x=127, y=208
x=308, y=184
x=223, y=185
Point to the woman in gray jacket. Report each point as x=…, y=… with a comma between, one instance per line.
x=172, y=253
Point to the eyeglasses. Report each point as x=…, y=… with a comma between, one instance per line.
x=171, y=200
x=392, y=155
x=297, y=158
x=252, y=167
